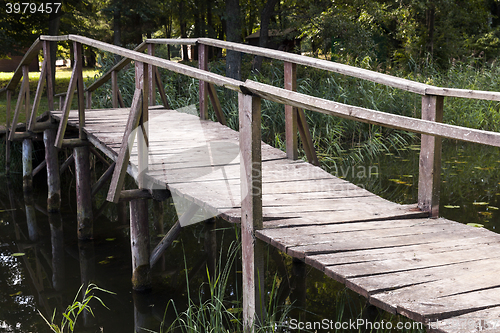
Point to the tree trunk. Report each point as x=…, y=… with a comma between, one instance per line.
x=182, y=25
x=117, y=27
x=233, y=34
x=265, y=17
x=430, y=18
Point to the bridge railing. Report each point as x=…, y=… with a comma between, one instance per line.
x=250, y=94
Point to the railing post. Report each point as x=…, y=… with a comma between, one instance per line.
x=291, y=113
x=203, y=65
x=141, y=82
x=50, y=84
x=430, y=158
x=151, y=77
x=114, y=89
x=251, y=210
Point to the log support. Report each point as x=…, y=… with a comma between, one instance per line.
x=139, y=240
x=52, y=165
x=251, y=211
x=430, y=158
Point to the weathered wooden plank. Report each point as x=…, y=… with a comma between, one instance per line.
x=486, y=320
x=434, y=308
x=467, y=281
x=373, y=117
x=360, y=244
x=418, y=229
x=373, y=284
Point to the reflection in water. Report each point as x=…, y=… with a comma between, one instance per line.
x=55, y=264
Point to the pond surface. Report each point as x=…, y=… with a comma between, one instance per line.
x=42, y=265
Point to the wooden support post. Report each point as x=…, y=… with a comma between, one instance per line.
x=80, y=90
x=141, y=82
x=39, y=168
x=159, y=84
x=83, y=193
x=251, y=210
x=23, y=97
x=53, y=180
x=26, y=76
x=7, y=141
x=76, y=82
x=31, y=121
x=151, y=77
x=66, y=163
x=203, y=65
x=139, y=240
x=172, y=233
x=299, y=288
x=430, y=158
x=103, y=179
x=89, y=99
x=49, y=69
x=114, y=89
x=212, y=93
x=291, y=113
x=27, y=165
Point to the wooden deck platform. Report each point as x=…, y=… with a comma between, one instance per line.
x=425, y=269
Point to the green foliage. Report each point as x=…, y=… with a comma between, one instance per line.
x=73, y=311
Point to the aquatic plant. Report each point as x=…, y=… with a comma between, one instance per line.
x=73, y=311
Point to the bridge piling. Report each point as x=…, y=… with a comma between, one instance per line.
x=27, y=165
x=52, y=165
x=139, y=241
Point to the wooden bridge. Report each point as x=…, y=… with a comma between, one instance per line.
x=402, y=258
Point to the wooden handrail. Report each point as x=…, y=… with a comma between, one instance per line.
x=26, y=60
x=371, y=116
x=152, y=60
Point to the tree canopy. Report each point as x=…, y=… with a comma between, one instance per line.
x=394, y=31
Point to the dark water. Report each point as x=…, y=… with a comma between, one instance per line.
x=54, y=265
